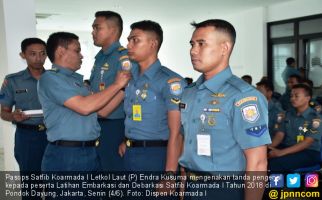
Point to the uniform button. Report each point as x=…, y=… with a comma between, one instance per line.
x=129, y=116
x=193, y=121
x=131, y=100
x=199, y=100
x=190, y=141
x=129, y=131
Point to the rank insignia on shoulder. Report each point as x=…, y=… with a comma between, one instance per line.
x=175, y=100
x=121, y=48
x=176, y=88
x=250, y=113
x=54, y=69
x=218, y=95
x=182, y=106
x=246, y=99
x=257, y=131
x=174, y=80
x=316, y=123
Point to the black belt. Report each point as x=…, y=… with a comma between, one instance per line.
x=66, y=143
x=39, y=127
x=146, y=143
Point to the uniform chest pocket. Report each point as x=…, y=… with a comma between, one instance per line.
x=21, y=96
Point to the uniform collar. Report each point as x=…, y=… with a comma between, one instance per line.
x=111, y=48
x=306, y=113
x=216, y=81
x=67, y=72
x=27, y=74
x=150, y=72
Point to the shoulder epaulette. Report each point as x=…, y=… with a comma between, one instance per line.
x=15, y=74
x=121, y=48
x=191, y=85
x=239, y=84
x=53, y=70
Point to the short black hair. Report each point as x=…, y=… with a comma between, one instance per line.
x=248, y=78
x=220, y=25
x=115, y=17
x=29, y=41
x=297, y=77
x=290, y=60
x=306, y=88
x=150, y=26
x=308, y=82
x=58, y=39
x=267, y=84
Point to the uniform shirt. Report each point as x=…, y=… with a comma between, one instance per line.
x=285, y=100
x=158, y=90
x=107, y=63
x=288, y=71
x=54, y=88
x=306, y=124
x=20, y=90
x=235, y=118
x=275, y=112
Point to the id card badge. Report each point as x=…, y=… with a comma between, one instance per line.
x=299, y=138
x=203, y=145
x=137, y=112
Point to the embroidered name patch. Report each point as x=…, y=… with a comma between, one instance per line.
x=244, y=100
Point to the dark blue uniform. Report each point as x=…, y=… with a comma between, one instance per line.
x=107, y=63
x=148, y=98
x=20, y=90
x=296, y=128
x=72, y=136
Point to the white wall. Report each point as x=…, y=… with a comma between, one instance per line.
x=293, y=9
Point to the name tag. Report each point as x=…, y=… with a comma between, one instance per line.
x=203, y=145
x=137, y=112
x=21, y=91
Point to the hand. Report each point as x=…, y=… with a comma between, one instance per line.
x=122, y=149
x=19, y=116
x=273, y=153
x=122, y=78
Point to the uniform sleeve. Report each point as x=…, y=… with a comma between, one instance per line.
x=57, y=88
x=250, y=120
x=315, y=129
x=172, y=93
x=7, y=93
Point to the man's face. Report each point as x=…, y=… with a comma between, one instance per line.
x=102, y=30
x=141, y=44
x=206, y=49
x=264, y=91
x=72, y=56
x=299, y=98
x=291, y=82
x=35, y=56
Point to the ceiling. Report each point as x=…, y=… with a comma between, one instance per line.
x=79, y=14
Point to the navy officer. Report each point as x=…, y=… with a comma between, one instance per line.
x=225, y=120
x=70, y=110
x=152, y=123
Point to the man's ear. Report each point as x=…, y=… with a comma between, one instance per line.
x=226, y=48
x=22, y=55
x=60, y=51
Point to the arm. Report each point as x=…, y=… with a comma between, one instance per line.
x=109, y=108
x=175, y=141
x=92, y=103
x=256, y=166
x=278, y=138
x=292, y=149
x=8, y=115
